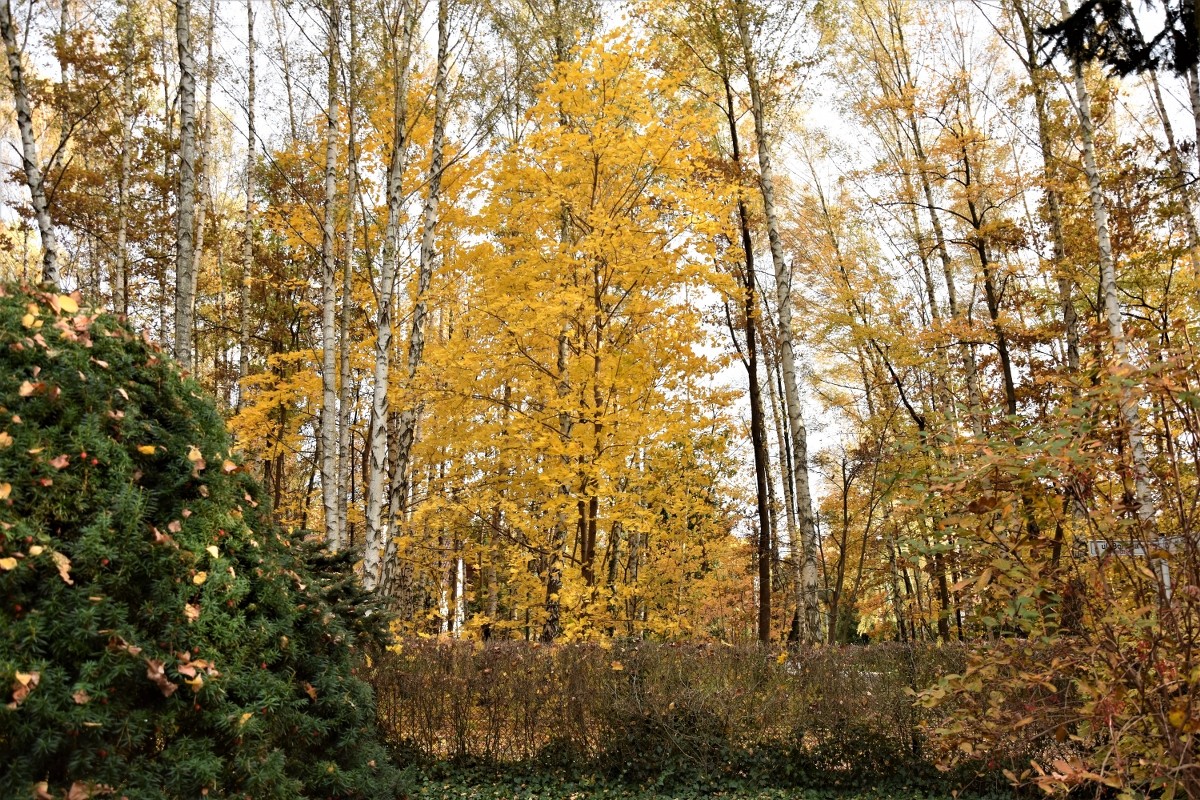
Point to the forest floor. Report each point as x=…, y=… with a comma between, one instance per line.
x=531, y=788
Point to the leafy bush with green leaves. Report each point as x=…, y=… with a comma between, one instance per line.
x=160, y=635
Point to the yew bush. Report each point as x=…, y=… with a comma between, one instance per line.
x=160, y=635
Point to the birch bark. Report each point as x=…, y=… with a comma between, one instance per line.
x=120, y=276
x=248, y=216
x=809, y=582
x=30, y=162
x=329, y=440
x=185, y=218
x=345, y=456
x=378, y=532
x=407, y=422
x=202, y=175
x=1128, y=402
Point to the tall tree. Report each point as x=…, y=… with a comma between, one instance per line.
x=330, y=488
x=185, y=257
x=247, y=215
x=401, y=28
x=30, y=162
x=810, y=620
x=407, y=423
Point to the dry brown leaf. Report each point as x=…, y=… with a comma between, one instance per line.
x=23, y=684
x=64, y=567
x=157, y=674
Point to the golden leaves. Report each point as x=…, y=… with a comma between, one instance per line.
x=61, y=563
x=5, y=490
x=147, y=449
x=199, y=578
x=67, y=303
x=197, y=458
x=6, y=440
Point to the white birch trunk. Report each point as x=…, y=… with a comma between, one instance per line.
x=378, y=532
x=810, y=621
x=407, y=422
x=248, y=217
x=1144, y=505
x=205, y=144
x=120, y=276
x=185, y=221
x=329, y=440
x=345, y=456
x=30, y=161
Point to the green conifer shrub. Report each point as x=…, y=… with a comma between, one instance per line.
x=160, y=635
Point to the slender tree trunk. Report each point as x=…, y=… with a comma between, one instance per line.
x=558, y=533
x=345, y=456
x=1139, y=460
x=1193, y=84
x=286, y=73
x=904, y=91
x=203, y=191
x=379, y=533
x=758, y=432
x=30, y=162
x=248, y=217
x=558, y=536
x=185, y=296
x=120, y=277
x=774, y=379
x=407, y=422
x=1182, y=178
x=810, y=620
x=329, y=440
x=1037, y=79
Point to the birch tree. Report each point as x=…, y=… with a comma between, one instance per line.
x=185, y=258
x=1122, y=363
x=248, y=214
x=810, y=620
x=329, y=379
x=30, y=161
x=407, y=422
x=401, y=28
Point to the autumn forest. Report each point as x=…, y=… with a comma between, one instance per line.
x=718, y=321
